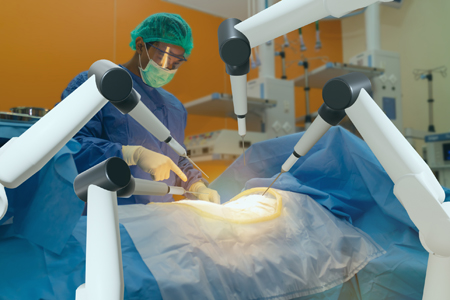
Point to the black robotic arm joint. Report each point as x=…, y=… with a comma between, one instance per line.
x=341, y=92
x=113, y=175
x=115, y=84
x=331, y=116
x=234, y=48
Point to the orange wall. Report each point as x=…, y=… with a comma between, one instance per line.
x=44, y=44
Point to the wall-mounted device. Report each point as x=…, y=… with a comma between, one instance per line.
x=436, y=153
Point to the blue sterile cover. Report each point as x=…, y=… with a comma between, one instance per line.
x=341, y=173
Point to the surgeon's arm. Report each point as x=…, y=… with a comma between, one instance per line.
x=93, y=148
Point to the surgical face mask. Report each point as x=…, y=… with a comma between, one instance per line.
x=154, y=75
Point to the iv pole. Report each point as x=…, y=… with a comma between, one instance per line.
x=428, y=74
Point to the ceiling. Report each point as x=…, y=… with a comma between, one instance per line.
x=220, y=8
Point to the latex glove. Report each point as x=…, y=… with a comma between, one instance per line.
x=209, y=194
x=151, y=162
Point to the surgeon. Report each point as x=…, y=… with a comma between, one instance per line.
x=162, y=44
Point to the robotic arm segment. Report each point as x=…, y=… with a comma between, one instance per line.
x=148, y=187
x=20, y=158
x=289, y=15
x=28, y=153
x=339, y=8
x=281, y=18
x=317, y=129
x=422, y=202
x=104, y=269
x=236, y=38
x=338, y=94
x=235, y=51
x=116, y=85
x=113, y=174
x=3, y=202
x=414, y=184
x=149, y=121
x=395, y=154
x=239, y=90
x=351, y=92
x=327, y=117
x=34, y=148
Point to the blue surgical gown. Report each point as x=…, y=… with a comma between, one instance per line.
x=103, y=136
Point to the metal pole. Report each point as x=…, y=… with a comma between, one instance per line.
x=307, y=88
x=283, y=63
x=430, y=103
x=372, y=18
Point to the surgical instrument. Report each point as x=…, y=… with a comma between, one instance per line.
x=273, y=182
x=148, y=187
x=193, y=163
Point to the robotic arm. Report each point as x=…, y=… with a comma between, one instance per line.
x=236, y=38
x=415, y=185
x=21, y=157
x=100, y=186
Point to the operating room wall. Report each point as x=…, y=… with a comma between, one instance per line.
x=47, y=43
x=331, y=51
x=419, y=32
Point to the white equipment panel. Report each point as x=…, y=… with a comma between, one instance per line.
x=278, y=120
x=221, y=105
x=219, y=145
x=271, y=113
x=387, y=89
x=319, y=76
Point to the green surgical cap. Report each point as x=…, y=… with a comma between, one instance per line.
x=166, y=28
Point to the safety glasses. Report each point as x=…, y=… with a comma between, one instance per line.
x=165, y=57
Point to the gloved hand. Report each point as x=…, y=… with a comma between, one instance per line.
x=151, y=162
x=209, y=194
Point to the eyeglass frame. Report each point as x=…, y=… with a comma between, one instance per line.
x=181, y=58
